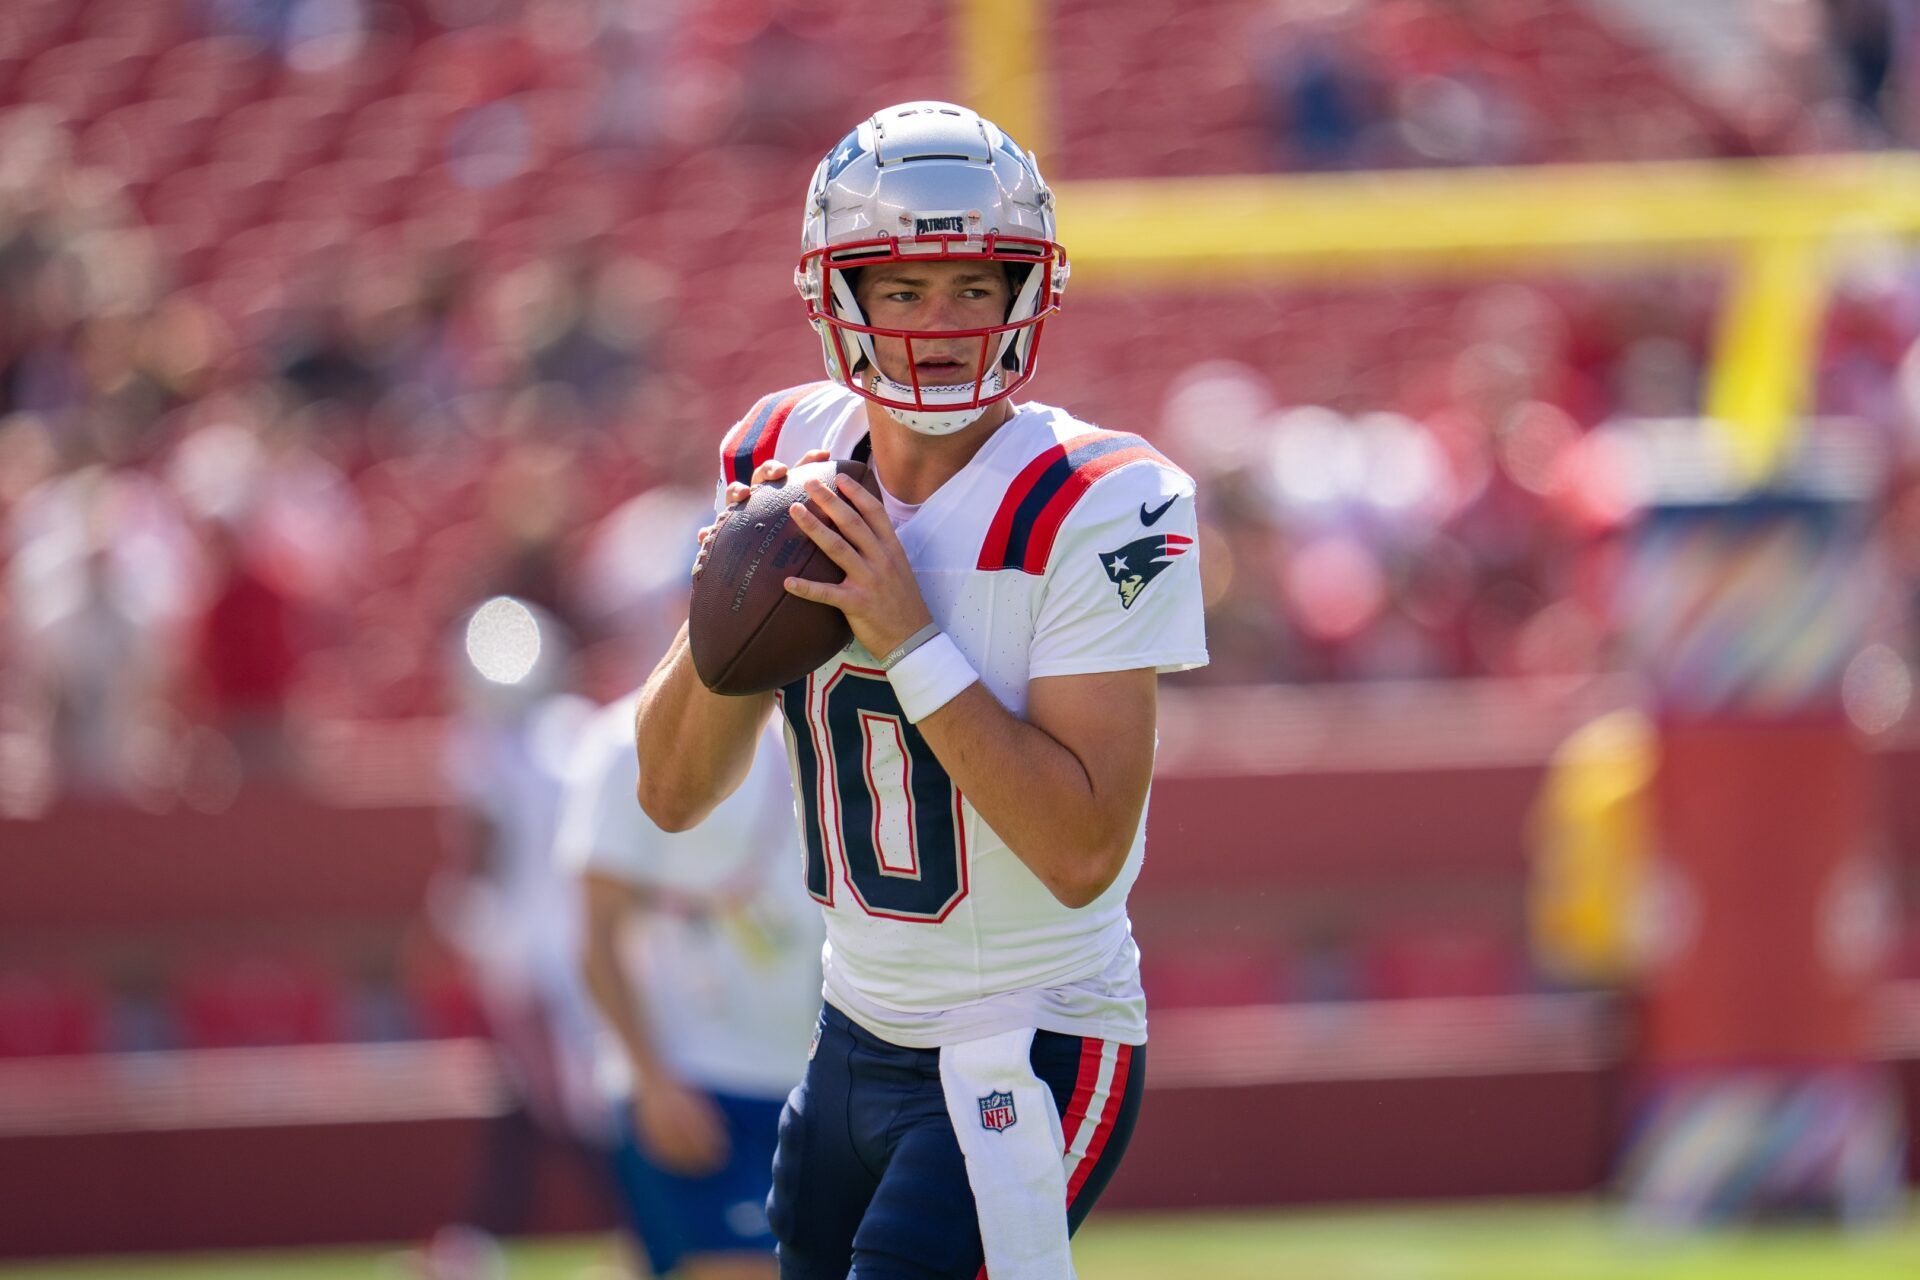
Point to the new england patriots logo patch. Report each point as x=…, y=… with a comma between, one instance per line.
x=1133, y=566
x=996, y=1112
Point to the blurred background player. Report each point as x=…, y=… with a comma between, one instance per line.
x=702, y=953
x=508, y=909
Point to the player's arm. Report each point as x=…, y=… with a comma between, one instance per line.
x=1063, y=787
x=611, y=907
x=696, y=745
x=678, y=1125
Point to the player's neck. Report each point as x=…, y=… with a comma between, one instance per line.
x=913, y=465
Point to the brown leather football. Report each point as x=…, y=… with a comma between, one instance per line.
x=748, y=632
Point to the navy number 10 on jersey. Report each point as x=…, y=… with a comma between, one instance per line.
x=882, y=803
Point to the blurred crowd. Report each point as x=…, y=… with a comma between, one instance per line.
x=323, y=320
x=1351, y=85
x=1457, y=507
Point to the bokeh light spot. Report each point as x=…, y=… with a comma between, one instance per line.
x=503, y=640
x=1876, y=689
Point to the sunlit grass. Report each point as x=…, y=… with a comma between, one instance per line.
x=1548, y=1240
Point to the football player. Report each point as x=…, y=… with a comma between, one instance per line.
x=702, y=954
x=508, y=910
x=971, y=773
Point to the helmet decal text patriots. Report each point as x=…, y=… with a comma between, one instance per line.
x=1133, y=566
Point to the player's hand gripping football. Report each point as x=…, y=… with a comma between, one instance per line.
x=772, y=471
x=880, y=596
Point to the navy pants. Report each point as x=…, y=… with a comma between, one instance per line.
x=868, y=1181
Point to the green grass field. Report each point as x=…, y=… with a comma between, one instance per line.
x=1560, y=1240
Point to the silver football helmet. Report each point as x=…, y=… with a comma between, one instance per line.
x=929, y=182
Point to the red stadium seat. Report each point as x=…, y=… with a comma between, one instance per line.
x=212, y=73
x=1215, y=974
x=28, y=27
x=441, y=995
x=82, y=79
x=44, y=1012
x=279, y=134
x=144, y=141
x=143, y=24
x=258, y=999
x=1417, y=963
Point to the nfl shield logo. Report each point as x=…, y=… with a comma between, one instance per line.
x=996, y=1112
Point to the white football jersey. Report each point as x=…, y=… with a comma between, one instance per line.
x=1059, y=549
x=728, y=963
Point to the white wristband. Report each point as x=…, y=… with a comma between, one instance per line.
x=930, y=677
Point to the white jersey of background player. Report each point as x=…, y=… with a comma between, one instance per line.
x=729, y=961
x=972, y=772
x=702, y=953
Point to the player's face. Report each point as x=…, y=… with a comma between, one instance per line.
x=932, y=297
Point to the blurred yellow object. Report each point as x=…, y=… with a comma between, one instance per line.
x=1591, y=835
x=1768, y=332
x=1263, y=227
x=997, y=39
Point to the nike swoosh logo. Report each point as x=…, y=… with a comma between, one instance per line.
x=1150, y=517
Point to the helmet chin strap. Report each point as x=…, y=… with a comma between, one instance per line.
x=933, y=422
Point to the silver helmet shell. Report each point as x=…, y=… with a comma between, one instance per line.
x=929, y=181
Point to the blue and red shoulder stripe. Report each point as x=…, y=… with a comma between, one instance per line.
x=1037, y=502
x=754, y=438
